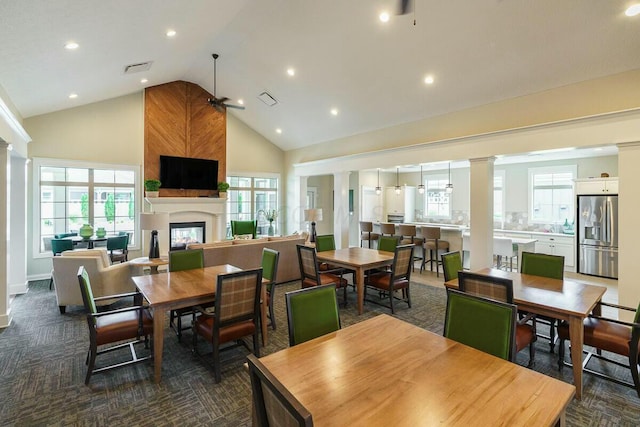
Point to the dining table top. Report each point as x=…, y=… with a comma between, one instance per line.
x=356, y=256
x=384, y=371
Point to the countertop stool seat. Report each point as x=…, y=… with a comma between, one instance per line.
x=408, y=236
x=433, y=244
x=366, y=233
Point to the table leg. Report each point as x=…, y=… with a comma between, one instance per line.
x=360, y=288
x=158, y=337
x=576, y=336
x=263, y=315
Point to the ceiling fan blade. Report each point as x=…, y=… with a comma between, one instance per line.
x=237, y=107
x=222, y=100
x=405, y=6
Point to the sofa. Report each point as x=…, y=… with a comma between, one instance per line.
x=248, y=254
x=106, y=279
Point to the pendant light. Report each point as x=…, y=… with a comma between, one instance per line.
x=421, y=185
x=449, y=186
x=378, y=188
x=398, y=188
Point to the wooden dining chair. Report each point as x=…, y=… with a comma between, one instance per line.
x=327, y=242
x=311, y=274
x=398, y=279
x=236, y=315
x=187, y=259
x=501, y=289
x=484, y=324
x=388, y=243
x=311, y=312
x=367, y=234
x=387, y=229
x=270, y=259
x=274, y=405
x=451, y=264
x=409, y=236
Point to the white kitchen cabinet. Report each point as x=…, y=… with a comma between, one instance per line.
x=597, y=186
x=557, y=245
x=400, y=204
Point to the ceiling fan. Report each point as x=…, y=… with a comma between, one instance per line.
x=220, y=103
x=405, y=7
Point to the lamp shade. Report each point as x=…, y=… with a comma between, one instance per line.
x=313, y=215
x=154, y=220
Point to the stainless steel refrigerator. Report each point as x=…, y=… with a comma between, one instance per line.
x=598, y=235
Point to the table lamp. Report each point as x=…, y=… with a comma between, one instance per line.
x=154, y=221
x=313, y=215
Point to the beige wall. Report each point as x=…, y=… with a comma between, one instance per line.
x=248, y=151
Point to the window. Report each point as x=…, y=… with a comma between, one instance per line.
x=68, y=194
x=437, y=202
x=248, y=195
x=551, y=194
x=498, y=196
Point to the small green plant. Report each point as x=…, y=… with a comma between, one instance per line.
x=152, y=184
x=223, y=186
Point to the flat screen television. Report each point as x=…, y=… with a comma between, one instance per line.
x=188, y=173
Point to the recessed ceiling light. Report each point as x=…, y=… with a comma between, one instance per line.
x=429, y=80
x=241, y=101
x=384, y=17
x=171, y=33
x=278, y=130
x=143, y=80
x=71, y=45
x=291, y=72
x=334, y=111
x=73, y=96
x=633, y=10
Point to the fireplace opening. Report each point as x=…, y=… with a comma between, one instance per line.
x=184, y=233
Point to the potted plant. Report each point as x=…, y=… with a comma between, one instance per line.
x=222, y=189
x=152, y=187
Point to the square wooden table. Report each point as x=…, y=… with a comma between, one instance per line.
x=386, y=372
x=360, y=260
x=562, y=299
x=181, y=289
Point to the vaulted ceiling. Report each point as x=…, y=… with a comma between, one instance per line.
x=344, y=58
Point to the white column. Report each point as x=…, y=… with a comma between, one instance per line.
x=17, y=232
x=629, y=232
x=341, y=209
x=481, y=212
x=5, y=185
x=297, y=210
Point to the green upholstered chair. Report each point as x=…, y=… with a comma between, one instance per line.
x=178, y=261
x=388, y=243
x=398, y=279
x=611, y=335
x=311, y=274
x=63, y=235
x=272, y=401
x=60, y=245
x=312, y=312
x=236, y=315
x=270, y=260
x=484, y=324
x=544, y=265
x=244, y=227
x=125, y=326
x=118, y=248
x=501, y=289
x=451, y=264
x=327, y=242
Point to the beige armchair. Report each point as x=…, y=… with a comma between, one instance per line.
x=106, y=279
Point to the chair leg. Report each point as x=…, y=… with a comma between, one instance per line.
x=216, y=360
x=552, y=334
x=51, y=283
x=560, y=354
x=391, y=291
x=408, y=297
x=272, y=316
x=532, y=354
x=256, y=345
x=179, y=326
x=634, y=360
x=91, y=365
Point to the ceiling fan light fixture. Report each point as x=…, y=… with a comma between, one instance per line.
x=421, y=185
x=449, y=187
x=219, y=103
x=378, y=188
x=398, y=189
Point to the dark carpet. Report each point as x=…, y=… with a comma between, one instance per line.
x=42, y=371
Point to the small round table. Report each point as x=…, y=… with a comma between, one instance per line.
x=153, y=263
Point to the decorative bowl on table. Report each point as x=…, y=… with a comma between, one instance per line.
x=101, y=232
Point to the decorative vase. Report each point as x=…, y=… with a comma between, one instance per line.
x=222, y=194
x=152, y=194
x=86, y=231
x=271, y=230
x=101, y=232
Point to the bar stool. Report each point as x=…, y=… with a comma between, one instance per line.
x=408, y=235
x=387, y=228
x=503, y=248
x=366, y=232
x=433, y=244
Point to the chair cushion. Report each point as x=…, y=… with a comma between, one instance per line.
x=325, y=279
x=121, y=326
x=602, y=334
x=204, y=327
x=382, y=280
x=365, y=235
x=524, y=336
x=431, y=244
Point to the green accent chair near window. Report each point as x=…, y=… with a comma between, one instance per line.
x=244, y=227
x=544, y=265
x=63, y=235
x=184, y=260
x=451, y=264
x=272, y=400
x=484, y=324
x=118, y=248
x=270, y=259
x=311, y=313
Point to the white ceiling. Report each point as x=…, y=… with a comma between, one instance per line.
x=479, y=51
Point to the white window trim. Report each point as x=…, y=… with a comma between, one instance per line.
x=437, y=177
x=546, y=169
x=272, y=175
x=38, y=162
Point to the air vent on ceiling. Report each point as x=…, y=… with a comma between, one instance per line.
x=136, y=68
x=267, y=99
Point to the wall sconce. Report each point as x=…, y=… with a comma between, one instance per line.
x=421, y=185
x=449, y=186
x=378, y=188
x=398, y=188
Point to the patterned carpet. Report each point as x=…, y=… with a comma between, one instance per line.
x=42, y=372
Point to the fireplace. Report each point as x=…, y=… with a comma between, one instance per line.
x=184, y=233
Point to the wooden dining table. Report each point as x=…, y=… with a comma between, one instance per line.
x=360, y=260
x=387, y=372
x=563, y=299
x=181, y=289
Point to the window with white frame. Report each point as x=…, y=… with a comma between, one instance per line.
x=551, y=199
x=437, y=203
x=68, y=194
x=498, y=196
x=248, y=195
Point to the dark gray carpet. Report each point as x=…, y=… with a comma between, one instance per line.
x=42, y=372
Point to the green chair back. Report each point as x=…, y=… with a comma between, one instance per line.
x=451, y=264
x=63, y=235
x=312, y=312
x=483, y=324
x=117, y=243
x=270, y=259
x=186, y=260
x=325, y=243
x=85, y=290
x=387, y=243
x=60, y=245
x=244, y=227
x=544, y=265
